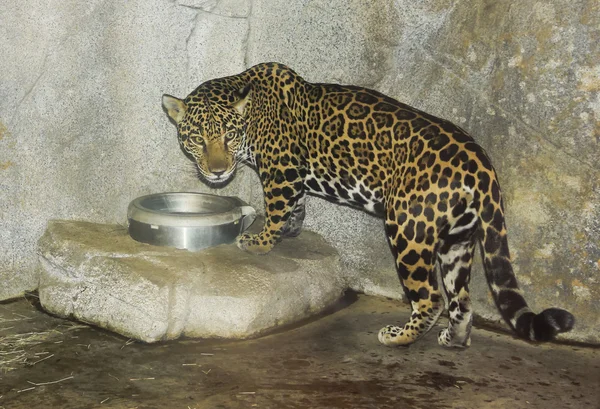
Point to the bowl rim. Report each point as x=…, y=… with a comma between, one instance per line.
x=238, y=210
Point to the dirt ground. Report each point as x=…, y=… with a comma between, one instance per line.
x=331, y=362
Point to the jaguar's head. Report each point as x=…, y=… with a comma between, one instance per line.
x=211, y=130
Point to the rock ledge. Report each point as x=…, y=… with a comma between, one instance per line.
x=97, y=274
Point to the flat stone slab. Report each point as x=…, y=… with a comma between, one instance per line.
x=97, y=274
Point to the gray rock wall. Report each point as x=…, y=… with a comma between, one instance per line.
x=82, y=132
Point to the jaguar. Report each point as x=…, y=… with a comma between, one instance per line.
x=432, y=183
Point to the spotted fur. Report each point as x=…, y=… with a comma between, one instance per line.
x=434, y=186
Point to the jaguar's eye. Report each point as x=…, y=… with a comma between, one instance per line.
x=200, y=141
x=229, y=136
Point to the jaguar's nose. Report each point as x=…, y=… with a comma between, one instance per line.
x=217, y=168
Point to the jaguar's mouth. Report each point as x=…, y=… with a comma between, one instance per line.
x=215, y=179
x=221, y=178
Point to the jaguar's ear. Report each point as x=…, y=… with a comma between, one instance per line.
x=174, y=107
x=242, y=97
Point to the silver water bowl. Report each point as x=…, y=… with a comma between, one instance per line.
x=192, y=221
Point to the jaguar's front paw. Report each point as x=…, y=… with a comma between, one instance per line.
x=254, y=243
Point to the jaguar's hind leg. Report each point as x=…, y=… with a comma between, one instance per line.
x=455, y=257
x=293, y=227
x=415, y=262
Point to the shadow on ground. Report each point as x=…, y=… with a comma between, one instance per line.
x=332, y=362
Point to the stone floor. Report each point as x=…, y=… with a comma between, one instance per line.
x=331, y=362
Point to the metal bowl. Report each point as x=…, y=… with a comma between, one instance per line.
x=192, y=221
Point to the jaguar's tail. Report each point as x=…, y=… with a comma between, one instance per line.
x=505, y=290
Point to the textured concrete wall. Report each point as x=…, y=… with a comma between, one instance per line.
x=82, y=132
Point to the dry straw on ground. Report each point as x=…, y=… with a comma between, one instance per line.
x=18, y=349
